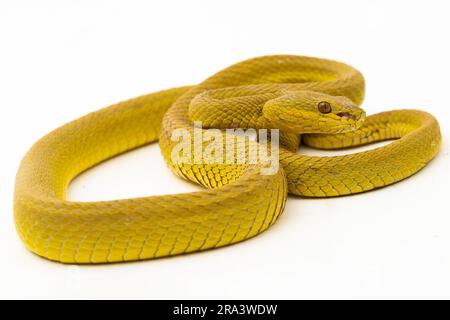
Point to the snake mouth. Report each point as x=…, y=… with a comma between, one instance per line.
x=346, y=115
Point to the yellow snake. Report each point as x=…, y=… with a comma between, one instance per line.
x=299, y=95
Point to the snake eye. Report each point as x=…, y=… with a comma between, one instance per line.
x=324, y=107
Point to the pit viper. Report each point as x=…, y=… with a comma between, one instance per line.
x=313, y=101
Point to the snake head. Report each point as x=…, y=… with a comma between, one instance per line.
x=313, y=112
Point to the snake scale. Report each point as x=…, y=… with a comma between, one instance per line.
x=313, y=101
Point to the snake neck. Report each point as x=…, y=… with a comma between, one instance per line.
x=236, y=107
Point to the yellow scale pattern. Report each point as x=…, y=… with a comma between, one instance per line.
x=240, y=201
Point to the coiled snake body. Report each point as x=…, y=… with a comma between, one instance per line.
x=299, y=95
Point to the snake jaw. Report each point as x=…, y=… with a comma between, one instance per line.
x=351, y=121
x=345, y=121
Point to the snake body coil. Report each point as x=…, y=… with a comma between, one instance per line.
x=300, y=95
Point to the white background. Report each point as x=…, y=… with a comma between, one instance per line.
x=62, y=59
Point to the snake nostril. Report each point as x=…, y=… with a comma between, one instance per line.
x=346, y=115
